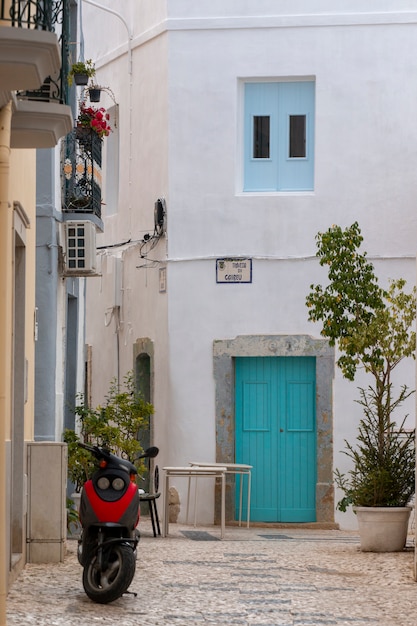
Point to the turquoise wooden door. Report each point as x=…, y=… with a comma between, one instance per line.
x=276, y=434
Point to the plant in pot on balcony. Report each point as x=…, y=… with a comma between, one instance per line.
x=93, y=119
x=373, y=330
x=117, y=425
x=81, y=72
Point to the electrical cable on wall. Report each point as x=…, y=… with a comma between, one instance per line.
x=149, y=241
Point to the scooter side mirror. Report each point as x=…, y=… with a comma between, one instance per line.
x=151, y=452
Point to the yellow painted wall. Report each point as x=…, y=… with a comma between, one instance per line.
x=23, y=190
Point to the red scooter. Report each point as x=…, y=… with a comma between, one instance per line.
x=109, y=514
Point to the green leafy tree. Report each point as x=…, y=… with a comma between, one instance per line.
x=116, y=426
x=373, y=330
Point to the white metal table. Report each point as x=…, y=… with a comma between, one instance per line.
x=218, y=471
x=231, y=468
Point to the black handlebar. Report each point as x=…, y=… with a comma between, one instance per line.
x=87, y=447
x=103, y=453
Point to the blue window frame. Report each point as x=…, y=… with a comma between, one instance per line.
x=279, y=136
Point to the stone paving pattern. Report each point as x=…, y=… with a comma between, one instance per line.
x=268, y=576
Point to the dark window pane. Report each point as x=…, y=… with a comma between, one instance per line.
x=297, y=136
x=261, y=137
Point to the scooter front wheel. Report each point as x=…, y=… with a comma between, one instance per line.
x=106, y=585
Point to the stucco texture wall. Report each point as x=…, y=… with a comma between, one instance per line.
x=187, y=117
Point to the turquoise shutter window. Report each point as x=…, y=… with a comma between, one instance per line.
x=260, y=101
x=296, y=173
x=287, y=111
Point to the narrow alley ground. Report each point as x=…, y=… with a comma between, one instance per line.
x=273, y=577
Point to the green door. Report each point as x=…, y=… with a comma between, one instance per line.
x=276, y=434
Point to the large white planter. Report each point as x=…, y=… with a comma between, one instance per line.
x=382, y=529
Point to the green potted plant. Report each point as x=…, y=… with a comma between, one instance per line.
x=81, y=72
x=95, y=91
x=115, y=425
x=373, y=330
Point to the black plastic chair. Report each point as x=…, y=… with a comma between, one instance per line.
x=151, y=498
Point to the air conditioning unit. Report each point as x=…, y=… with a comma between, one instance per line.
x=80, y=252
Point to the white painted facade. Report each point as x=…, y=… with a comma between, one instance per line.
x=180, y=129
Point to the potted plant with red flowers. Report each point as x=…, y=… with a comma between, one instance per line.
x=95, y=119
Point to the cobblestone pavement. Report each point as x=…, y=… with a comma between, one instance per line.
x=273, y=577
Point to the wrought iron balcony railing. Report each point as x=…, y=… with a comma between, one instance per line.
x=39, y=14
x=49, y=15
x=82, y=172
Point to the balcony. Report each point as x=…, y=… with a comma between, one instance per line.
x=31, y=72
x=27, y=57
x=82, y=173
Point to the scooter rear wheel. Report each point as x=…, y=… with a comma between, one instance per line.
x=106, y=585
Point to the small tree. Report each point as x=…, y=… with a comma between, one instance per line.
x=115, y=426
x=372, y=328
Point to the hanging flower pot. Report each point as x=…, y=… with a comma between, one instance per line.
x=93, y=120
x=80, y=79
x=94, y=93
x=80, y=72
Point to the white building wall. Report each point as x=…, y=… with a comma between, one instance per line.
x=181, y=140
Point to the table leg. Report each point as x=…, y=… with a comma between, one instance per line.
x=249, y=488
x=240, y=497
x=166, y=506
x=195, y=501
x=188, y=498
x=223, y=503
x=195, y=504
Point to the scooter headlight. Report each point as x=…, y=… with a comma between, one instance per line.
x=103, y=483
x=118, y=484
